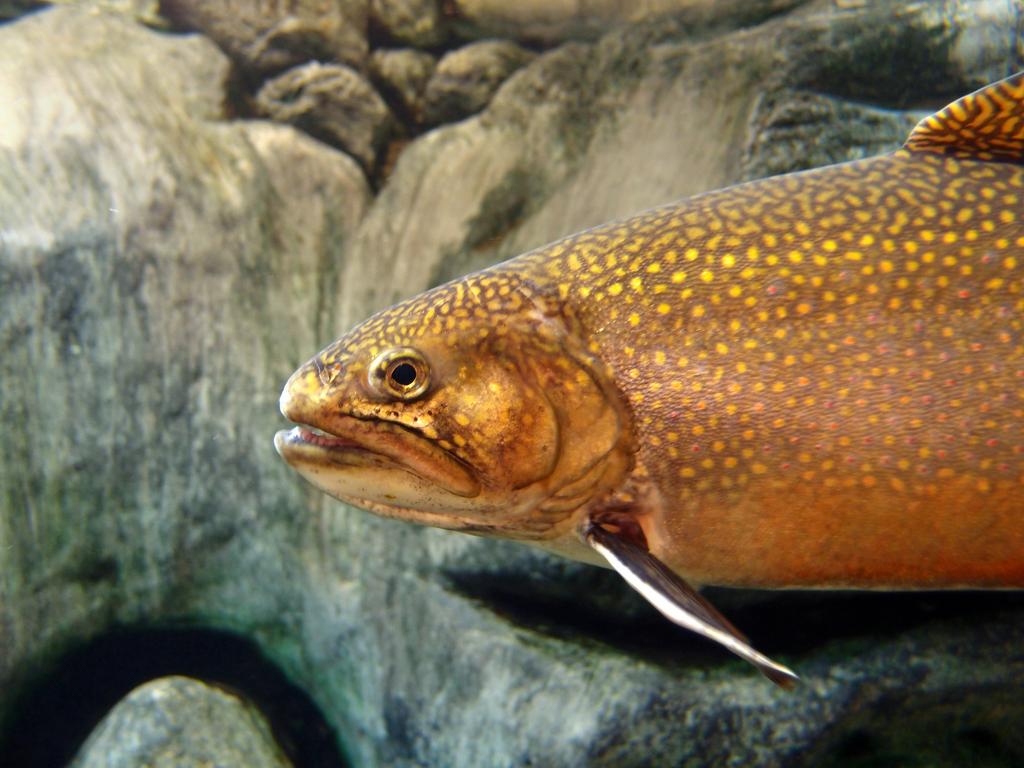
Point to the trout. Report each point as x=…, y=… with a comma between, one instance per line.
x=814, y=380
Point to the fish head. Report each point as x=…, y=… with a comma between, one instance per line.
x=471, y=407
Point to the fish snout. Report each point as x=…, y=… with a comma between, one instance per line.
x=305, y=388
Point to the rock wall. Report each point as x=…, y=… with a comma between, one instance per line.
x=168, y=255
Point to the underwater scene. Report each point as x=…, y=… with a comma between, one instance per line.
x=470, y=383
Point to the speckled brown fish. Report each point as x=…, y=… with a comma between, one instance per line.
x=814, y=380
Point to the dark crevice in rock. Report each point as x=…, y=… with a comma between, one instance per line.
x=57, y=711
x=15, y=9
x=982, y=728
x=779, y=622
x=907, y=69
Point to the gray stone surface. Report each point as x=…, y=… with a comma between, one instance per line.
x=172, y=722
x=415, y=22
x=551, y=21
x=144, y=11
x=402, y=75
x=332, y=102
x=163, y=269
x=265, y=36
x=168, y=263
x=793, y=130
x=465, y=79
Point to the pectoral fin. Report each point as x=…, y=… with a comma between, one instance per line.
x=678, y=601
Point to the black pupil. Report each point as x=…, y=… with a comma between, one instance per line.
x=404, y=374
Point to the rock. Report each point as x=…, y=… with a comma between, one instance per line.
x=465, y=79
x=264, y=37
x=332, y=102
x=144, y=11
x=794, y=130
x=552, y=21
x=414, y=22
x=176, y=721
x=144, y=348
x=171, y=260
x=402, y=76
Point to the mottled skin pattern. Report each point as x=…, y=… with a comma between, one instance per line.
x=814, y=380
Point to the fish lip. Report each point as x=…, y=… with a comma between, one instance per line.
x=351, y=441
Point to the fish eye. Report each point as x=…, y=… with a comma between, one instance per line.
x=401, y=373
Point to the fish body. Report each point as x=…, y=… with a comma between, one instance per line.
x=813, y=380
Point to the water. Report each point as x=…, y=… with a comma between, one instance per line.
x=186, y=216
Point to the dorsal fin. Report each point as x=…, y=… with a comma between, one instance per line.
x=987, y=125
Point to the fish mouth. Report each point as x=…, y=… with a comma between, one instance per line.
x=371, y=447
